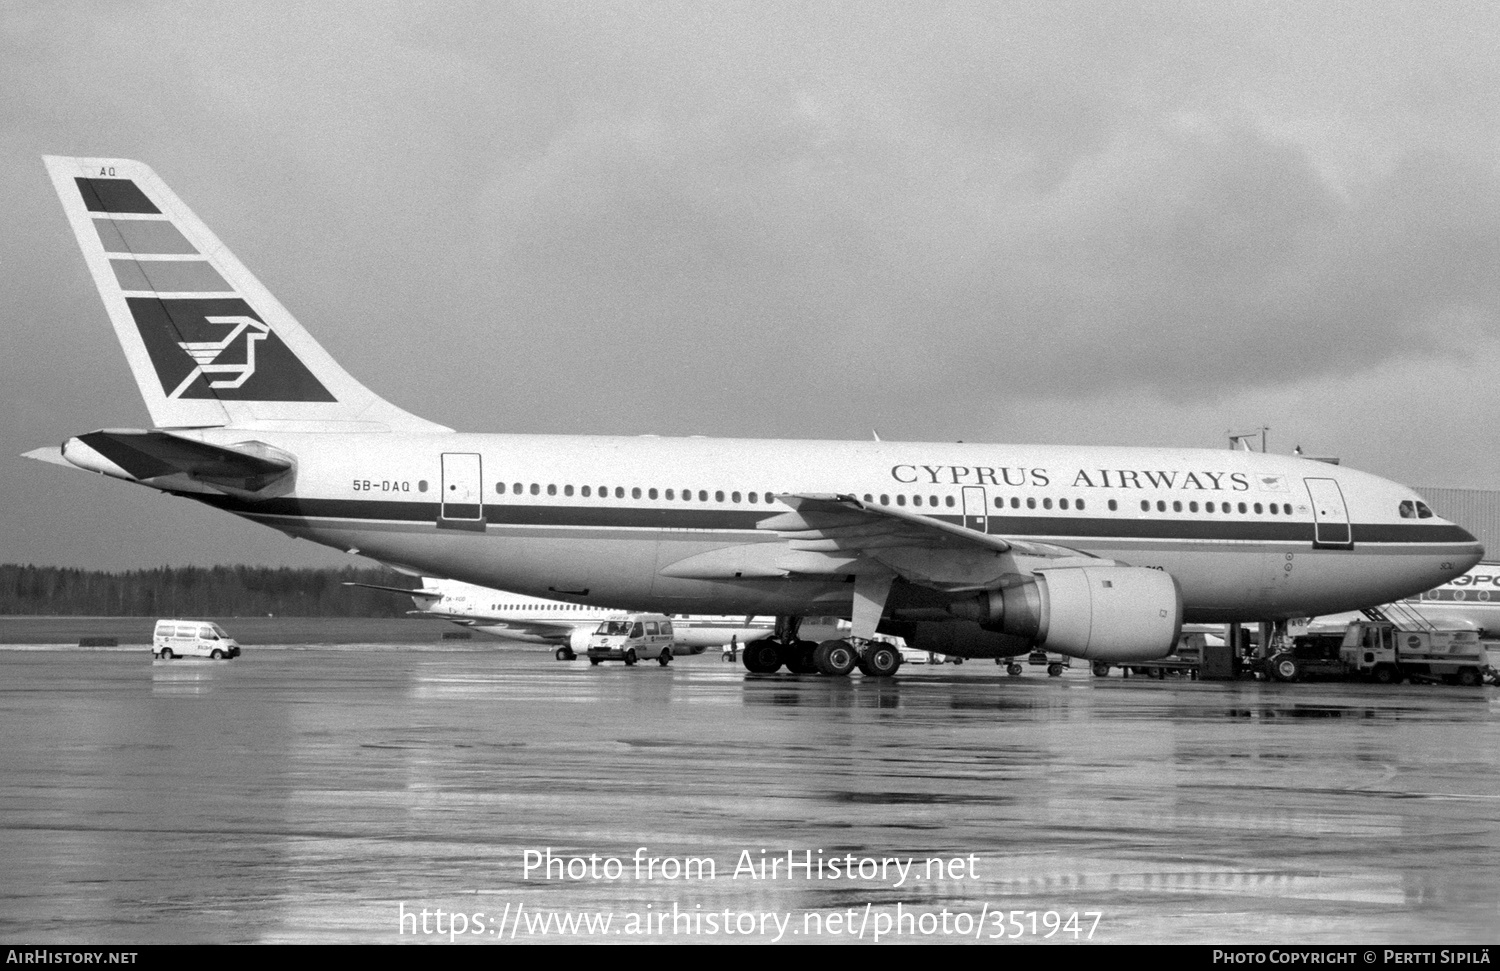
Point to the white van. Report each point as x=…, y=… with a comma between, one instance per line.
x=192, y=638
x=631, y=638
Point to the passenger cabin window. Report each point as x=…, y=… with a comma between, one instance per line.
x=500, y=488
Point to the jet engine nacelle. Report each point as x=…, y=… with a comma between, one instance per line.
x=578, y=641
x=1101, y=613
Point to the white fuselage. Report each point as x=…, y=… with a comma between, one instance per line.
x=603, y=520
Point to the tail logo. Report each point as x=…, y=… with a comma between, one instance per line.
x=218, y=347
x=207, y=352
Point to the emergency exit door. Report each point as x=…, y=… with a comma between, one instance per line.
x=1331, y=528
x=462, y=504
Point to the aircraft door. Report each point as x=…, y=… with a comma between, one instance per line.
x=462, y=504
x=976, y=516
x=1331, y=528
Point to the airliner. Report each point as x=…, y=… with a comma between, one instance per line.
x=517, y=617
x=969, y=550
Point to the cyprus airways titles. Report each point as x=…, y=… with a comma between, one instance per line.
x=971, y=550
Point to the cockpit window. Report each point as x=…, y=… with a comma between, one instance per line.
x=1423, y=512
x=1408, y=509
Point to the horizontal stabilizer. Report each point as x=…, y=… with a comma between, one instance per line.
x=423, y=594
x=248, y=468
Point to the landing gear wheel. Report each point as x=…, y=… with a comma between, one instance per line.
x=798, y=657
x=665, y=657
x=1013, y=669
x=630, y=658
x=1283, y=667
x=594, y=661
x=762, y=656
x=1100, y=669
x=1054, y=670
x=166, y=654
x=565, y=654
x=836, y=658
x=880, y=660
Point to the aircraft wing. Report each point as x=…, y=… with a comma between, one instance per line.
x=510, y=627
x=826, y=523
x=841, y=534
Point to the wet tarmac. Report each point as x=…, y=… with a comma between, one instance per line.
x=334, y=794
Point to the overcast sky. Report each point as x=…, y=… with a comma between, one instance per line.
x=1064, y=222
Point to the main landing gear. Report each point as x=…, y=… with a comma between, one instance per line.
x=836, y=658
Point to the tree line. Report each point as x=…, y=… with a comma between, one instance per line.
x=220, y=591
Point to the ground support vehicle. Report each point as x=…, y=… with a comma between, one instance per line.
x=1378, y=651
x=635, y=637
x=1054, y=663
x=192, y=638
x=1310, y=657
x=1185, y=660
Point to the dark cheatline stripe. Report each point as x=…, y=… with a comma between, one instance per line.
x=624, y=517
x=114, y=195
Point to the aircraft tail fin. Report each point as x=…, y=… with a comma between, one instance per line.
x=207, y=343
